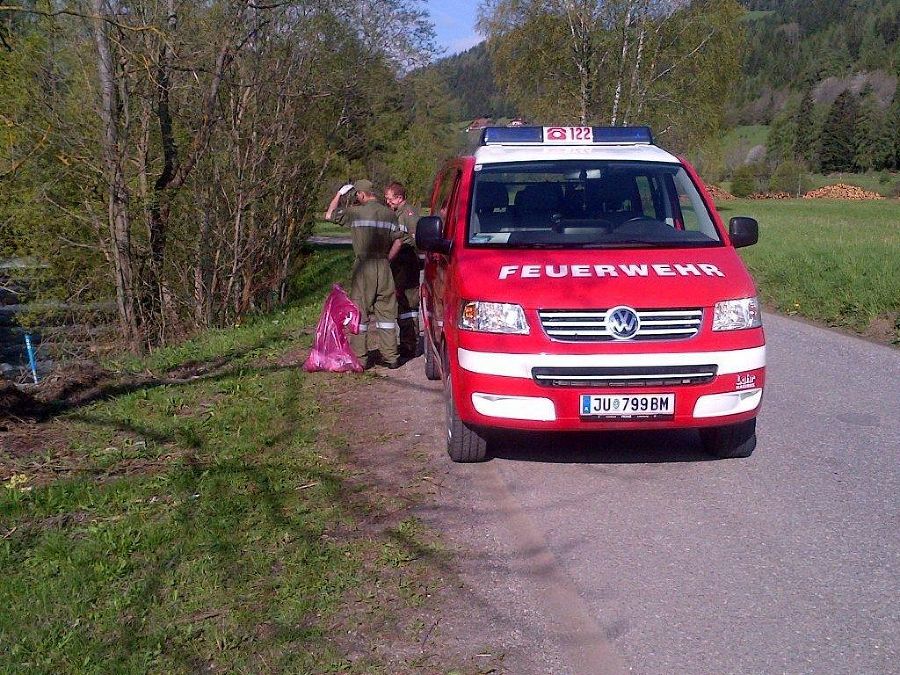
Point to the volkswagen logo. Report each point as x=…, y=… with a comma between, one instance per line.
x=622, y=323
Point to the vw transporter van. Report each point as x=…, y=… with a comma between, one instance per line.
x=580, y=279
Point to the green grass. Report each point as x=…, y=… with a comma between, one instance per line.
x=197, y=528
x=837, y=262
x=325, y=228
x=746, y=136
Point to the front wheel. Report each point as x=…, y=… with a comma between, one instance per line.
x=732, y=441
x=431, y=366
x=464, y=444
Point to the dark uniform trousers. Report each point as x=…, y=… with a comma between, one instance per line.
x=405, y=269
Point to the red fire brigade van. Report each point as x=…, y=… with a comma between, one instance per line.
x=580, y=279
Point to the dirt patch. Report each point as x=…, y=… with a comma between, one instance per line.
x=76, y=382
x=81, y=382
x=413, y=615
x=884, y=328
x=192, y=370
x=293, y=357
x=16, y=405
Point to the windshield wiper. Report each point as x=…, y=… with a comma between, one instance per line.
x=538, y=244
x=629, y=243
x=626, y=243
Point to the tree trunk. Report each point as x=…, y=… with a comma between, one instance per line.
x=117, y=199
x=635, y=75
x=623, y=57
x=582, y=56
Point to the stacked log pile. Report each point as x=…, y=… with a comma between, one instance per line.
x=718, y=194
x=771, y=195
x=842, y=191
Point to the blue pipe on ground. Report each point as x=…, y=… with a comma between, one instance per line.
x=31, y=360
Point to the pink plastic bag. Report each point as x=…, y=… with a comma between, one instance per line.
x=331, y=351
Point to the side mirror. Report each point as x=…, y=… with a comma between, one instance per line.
x=743, y=231
x=429, y=237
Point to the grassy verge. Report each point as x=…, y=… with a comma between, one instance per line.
x=325, y=228
x=201, y=526
x=831, y=261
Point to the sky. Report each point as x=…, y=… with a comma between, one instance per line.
x=454, y=23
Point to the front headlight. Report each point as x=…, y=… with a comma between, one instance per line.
x=493, y=317
x=737, y=314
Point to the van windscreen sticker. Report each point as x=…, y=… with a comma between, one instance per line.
x=625, y=270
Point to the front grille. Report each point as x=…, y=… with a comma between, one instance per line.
x=646, y=376
x=569, y=325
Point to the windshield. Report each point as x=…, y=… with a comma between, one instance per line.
x=588, y=204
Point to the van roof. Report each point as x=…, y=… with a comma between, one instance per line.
x=640, y=152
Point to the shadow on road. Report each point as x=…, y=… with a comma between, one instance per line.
x=610, y=447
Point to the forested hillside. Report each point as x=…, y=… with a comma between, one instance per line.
x=791, y=46
x=470, y=79
x=798, y=45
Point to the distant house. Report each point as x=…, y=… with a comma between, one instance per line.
x=517, y=122
x=479, y=123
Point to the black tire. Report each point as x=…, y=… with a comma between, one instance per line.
x=464, y=444
x=431, y=362
x=732, y=441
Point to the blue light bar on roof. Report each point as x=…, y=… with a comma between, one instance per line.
x=623, y=135
x=504, y=135
x=565, y=135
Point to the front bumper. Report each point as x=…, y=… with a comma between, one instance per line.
x=499, y=390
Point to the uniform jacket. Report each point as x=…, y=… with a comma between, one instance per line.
x=408, y=217
x=373, y=228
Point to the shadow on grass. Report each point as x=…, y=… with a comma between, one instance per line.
x=77, y=393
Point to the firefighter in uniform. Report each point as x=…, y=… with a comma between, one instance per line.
x=405, y=268
x=376, y=238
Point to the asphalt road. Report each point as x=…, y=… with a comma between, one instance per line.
x=640, y=553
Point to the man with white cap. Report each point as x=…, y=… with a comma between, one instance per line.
x=376, y=238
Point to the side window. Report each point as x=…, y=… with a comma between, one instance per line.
x=694, y=215
x=442, y=201
x=447, y=199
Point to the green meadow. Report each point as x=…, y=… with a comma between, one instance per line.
x=835, y=262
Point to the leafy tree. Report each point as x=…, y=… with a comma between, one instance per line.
x=428, y=136
x=743, y=182
x=839, y=135
x=788, y=177
x=171, y=156
x=669, y=64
